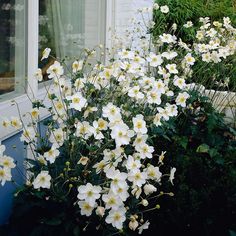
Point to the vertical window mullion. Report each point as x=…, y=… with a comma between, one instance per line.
x=32, y=47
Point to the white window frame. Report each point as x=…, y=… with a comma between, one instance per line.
x=7, y=110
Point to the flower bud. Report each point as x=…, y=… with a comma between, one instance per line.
x=144, y=202
x=133, y=224
x=149, y=189
x=100, y=211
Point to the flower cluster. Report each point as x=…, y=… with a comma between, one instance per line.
x=99, y=146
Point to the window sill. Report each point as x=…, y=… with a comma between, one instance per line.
x=7, y=110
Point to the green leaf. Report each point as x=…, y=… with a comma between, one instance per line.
x=203, y=148
x=184, y=142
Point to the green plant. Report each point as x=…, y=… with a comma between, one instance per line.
x=203, y=148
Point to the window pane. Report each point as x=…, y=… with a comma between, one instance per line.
x=68, y=26
x=12, y=46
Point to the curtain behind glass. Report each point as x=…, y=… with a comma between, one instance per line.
x=67, y=26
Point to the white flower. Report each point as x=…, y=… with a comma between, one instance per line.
x=154, y=60
x=142, y=227
x=145, y=151
x=122, y=192
x=121, y=134
x=189, y=59
x=5, y=175
x=77, y=66
x=140, y=140
x=206, y=57
x=149, y=189
x=28, y=135
x=125, y=54
x=52, y=154
x=157, y=119
x=169, y=55
x=159, y=87
x=172, y=68
x=179, y=82
x=43, y=180
x=57, y=137
x=90, y=193
x=172, y=174
x=118, y=179
x=96, y=131
x=111, y=112
x=132, y=163
x=139, y=124
x=112, y=201
x=134, y=92
x=86, y=207
x=164, y=9
x=116, y=217
x=156, y=6
x=181, y=99
x=46, y=53
x=38, y=74
x=154, y=97
x=153, y=173
x=188, y=24
x=78, y=102
x=137, y=177
x=167, y=38
x=7, y=162
x=34, y=113
x=79, y=83
x=55, y=70
x=83, y=160
x=16, y=123
x=84, y=129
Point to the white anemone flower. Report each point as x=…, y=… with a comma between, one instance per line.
x=55, y=70
x=86, y=208
x=181, y=99
x=116, y=217
x=137, y=177
x=5, y=175
x=7, y=162
x=153, y=173
x=43, y=180
x=134, y=92
x=121, y=134
x=154, y=60
x=38, y=74
x=139, y=124
x=112, y=201
x=77, y=66
x=78, y=102
x=90, y=193
x=164, y=9
x=52, y=154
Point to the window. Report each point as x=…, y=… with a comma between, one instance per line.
x=12, y=46
x=27, y=27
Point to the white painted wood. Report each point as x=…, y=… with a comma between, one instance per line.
x=33, y=34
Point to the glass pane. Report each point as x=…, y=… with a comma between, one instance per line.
x=68, y=26
x=12, y=46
